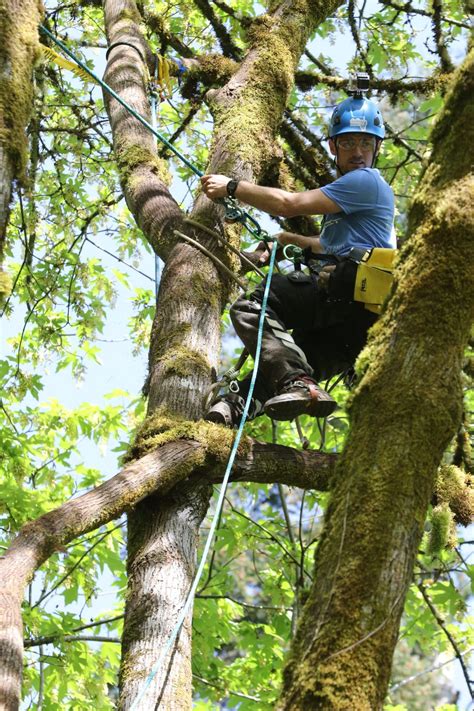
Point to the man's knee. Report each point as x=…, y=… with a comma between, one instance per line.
x=242, y=307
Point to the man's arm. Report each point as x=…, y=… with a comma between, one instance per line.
x=271, y=200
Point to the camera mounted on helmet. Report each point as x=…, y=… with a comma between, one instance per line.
x=359, y=85
x=357, y=114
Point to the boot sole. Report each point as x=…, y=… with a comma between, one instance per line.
x=288, y=409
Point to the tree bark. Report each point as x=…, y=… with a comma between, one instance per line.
x=160, y=575
x=18, y=47
x=406, y=410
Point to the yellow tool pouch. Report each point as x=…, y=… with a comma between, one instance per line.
x=374, y=277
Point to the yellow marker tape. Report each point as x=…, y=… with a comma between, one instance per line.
x=53, y=56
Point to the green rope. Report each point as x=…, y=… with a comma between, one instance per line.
x=233, y=211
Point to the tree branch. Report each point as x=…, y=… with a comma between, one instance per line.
x=445, y=59
x=470, y=684
x=143, y=175
x=356, y=38
x=53, y=637
x=306, y=80
x=408, y=8
x=225, y=40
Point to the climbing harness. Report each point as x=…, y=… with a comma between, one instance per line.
x=220, y=502
x=364, y=275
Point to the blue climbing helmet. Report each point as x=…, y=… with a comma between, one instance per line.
x=357, y=113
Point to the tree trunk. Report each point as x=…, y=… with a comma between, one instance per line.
x=405, y=412
x=18, y=47
x=160, y=574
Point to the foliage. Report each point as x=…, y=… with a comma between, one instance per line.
x=81, y=274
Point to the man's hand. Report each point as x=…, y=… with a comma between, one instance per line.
x=313, y=242
x=215, y=186
x=324, y=275
x=260, y=257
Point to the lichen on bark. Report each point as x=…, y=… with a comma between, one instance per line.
x=162, y=427
x=18, y=51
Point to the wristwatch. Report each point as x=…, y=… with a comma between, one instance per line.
x=231, y=187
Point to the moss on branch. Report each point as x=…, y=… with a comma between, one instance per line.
x=162, y=427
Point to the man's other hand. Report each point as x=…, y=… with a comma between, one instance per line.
x=260, y=257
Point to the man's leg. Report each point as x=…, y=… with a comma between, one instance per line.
x=290, y=305
x=294, y=302
x=334, y=348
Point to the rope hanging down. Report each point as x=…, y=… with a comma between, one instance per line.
x=220, y=502
x=233, y=211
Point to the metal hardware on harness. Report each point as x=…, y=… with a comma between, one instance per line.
x=294, y=254
x=228, y=378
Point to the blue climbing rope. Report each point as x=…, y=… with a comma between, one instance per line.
x=233, y=211
x=175, y=632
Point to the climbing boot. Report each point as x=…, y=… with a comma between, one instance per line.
x=228, y=410
x=222, y=412
x=300, y=396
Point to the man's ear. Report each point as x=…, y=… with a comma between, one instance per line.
x=332, y=147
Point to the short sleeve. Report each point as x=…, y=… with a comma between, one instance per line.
x=354, y=191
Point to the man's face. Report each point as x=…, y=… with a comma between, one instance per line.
x=353, y=151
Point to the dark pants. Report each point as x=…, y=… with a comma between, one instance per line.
x=328, y=334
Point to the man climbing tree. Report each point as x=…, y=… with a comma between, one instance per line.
x=269, y=629
x=330, y=327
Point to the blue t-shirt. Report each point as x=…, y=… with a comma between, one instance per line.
x=366, y=217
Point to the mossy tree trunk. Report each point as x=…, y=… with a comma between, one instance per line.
x=186, y=332
x=18, y=47
x=406, y=410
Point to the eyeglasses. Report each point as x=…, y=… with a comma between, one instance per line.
x=366, y=144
